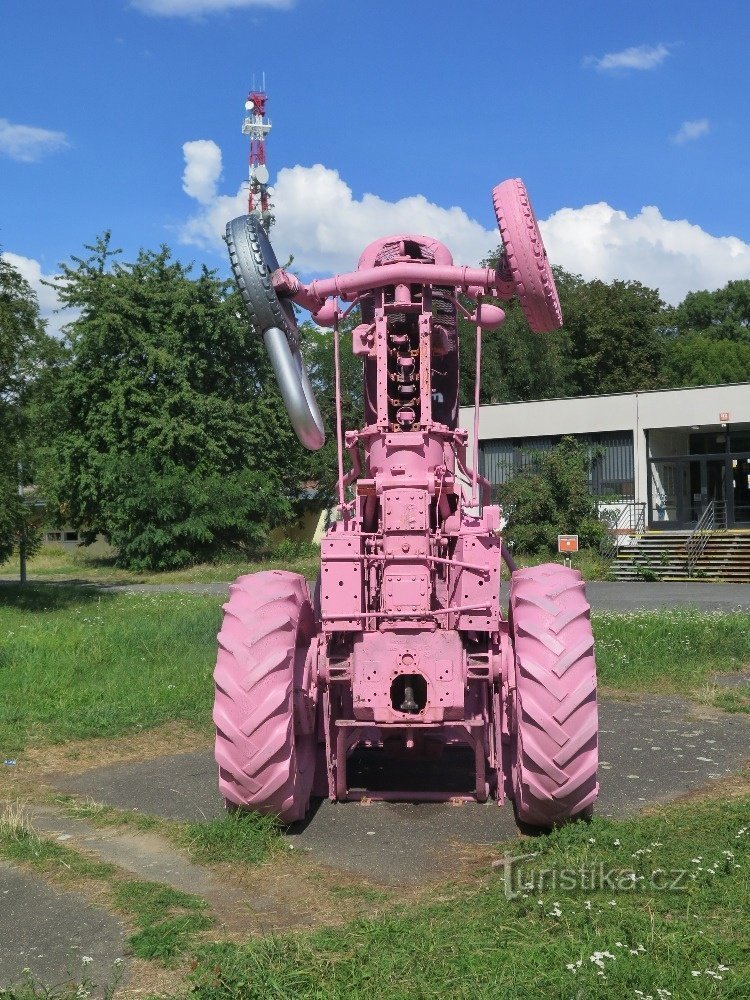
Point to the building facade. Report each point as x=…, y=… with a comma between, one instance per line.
x=672, y=451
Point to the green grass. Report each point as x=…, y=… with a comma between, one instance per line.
x=237, y=838
x=734, y=700
x=76, y=663
x=674, y=651
x=474, y=943
x=30, y=988
x=97, y=565
x=167, y=920
x=79, y=663
x=242, y=838
x=590, y=562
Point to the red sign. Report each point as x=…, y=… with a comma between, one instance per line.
x=724, y=417
x=567, y=543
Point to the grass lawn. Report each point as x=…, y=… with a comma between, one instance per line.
x=651, y=907
x=655, y=907
x=97, y=564
x=54, y=562
x=78, y=663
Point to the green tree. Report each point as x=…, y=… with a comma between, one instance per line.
x=697, y=359
x=26, y=353
x=551, y=497
x=174, y=442
x=723, y=314
x=616, y=337
x=516, y=363
x=321, y=467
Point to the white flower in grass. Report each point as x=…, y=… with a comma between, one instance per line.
x=723, y=968
x=695, y=972
x=617, y=843
x=663, y=994
x=613, y=902
x=592, y=840
x=587, y=904
x=86, y=959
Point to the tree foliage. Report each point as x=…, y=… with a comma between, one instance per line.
x=26, y=354
x=552, y=497
x=174, y=444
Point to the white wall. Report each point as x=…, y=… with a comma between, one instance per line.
x=638, y=412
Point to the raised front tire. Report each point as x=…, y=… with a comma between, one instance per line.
x=525, y=256
x=266, y=755
x=555, y=744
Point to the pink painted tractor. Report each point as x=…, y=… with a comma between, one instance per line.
x=401, y=651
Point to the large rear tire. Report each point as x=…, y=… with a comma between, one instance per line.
x=266, y=761
x=555, y=744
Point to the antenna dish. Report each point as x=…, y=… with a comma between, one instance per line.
x=249, y=105
x=261, y=173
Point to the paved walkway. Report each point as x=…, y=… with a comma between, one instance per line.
x=652, y=750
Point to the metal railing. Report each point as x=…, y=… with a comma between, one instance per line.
x=713, y=518
x=630, y=524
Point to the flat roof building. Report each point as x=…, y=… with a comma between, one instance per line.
x=672, y=450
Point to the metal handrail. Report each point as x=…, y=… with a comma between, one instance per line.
x=713, y=518
x=631, y=521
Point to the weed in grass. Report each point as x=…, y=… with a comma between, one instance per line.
x=358, y=892
x=637, y=939
x=168, y=919
x=14, y=821
x=21, y=845
x=99, y=814
x=736, y=700
x=242, y=837
x=30, y=988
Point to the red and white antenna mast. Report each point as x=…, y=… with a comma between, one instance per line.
x=257, y=127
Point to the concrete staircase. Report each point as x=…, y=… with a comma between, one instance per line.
x=661, y=555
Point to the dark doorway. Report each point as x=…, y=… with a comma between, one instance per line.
x=717, y=468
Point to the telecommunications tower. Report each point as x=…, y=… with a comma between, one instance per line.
x=257, y=127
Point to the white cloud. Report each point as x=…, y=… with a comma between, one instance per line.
x=202, y=170
x=673, y=255
x=691, y=130
x=31, y=270
x=637, y=57
x=195, y=8
x=326, y=228
x=27, y=144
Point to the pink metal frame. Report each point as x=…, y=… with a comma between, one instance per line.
x=413, y=651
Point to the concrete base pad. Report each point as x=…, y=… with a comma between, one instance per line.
x=652, y=749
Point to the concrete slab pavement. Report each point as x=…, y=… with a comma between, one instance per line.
x=653, y=749
x=50, y=932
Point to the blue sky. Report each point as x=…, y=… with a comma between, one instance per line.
x=627, y=121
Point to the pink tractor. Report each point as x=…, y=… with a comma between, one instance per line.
x=401, y=647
